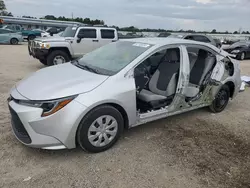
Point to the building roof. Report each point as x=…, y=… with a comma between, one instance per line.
x=31, y=21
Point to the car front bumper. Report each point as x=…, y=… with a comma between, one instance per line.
x=56, y=131
x=37, y=52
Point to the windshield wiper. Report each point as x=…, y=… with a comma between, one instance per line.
x=86, y=67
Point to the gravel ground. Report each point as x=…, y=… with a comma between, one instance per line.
x=195, y=149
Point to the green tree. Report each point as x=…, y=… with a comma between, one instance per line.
x=2, y=6
x=214, y=31
x=236, y=32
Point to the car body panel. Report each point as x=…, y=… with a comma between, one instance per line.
x=64, y=84
x=119, y=90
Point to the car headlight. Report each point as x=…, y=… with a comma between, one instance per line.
x=45, y=45
x=49, y=107
x=235, y=51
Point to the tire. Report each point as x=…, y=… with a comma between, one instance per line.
x=43, y=61
x=242, y=56
x=56, y=54
x=84, y=134
x=13, y=41
x=221, y=100
x=31, y=37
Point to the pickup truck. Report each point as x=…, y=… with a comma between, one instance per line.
x=27, y=34
x=74, y=42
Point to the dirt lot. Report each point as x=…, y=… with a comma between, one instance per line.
x=196, y=149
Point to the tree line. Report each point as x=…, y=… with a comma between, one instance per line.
x=3, y=10
x=88, y=21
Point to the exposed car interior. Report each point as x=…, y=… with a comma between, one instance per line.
x=156, y=80
x=202, y=63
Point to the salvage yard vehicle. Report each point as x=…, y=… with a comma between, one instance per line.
x=27, y=34
x=241, y=50
x=90, y=101
x=10, y=37
x=199, y=38
x=73, y=43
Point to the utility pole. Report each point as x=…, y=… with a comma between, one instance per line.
x=72, y=15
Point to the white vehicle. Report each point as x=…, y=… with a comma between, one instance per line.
x=90, y=101
x=72, y=44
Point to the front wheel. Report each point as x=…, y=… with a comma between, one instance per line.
x=221, y=100
x=57, y=57
x=100, y=129
x=242, y=56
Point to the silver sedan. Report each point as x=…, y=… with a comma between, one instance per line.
x=90, y=101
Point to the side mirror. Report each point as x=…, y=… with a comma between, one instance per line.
x=80, y=36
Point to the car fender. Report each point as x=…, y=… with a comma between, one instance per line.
x=61, y=45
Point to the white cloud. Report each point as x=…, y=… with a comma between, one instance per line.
x=168, y=14
x=204, y=1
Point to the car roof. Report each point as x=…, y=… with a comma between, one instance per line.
x=169, y=41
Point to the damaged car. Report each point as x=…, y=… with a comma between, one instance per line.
x=90, y=101
x=240, y=50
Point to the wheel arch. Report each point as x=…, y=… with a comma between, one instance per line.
x=15, y=38
x=113, y=104
x=65, y=49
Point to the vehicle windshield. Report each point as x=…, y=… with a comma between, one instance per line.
x=111, y=58
x=69, y=32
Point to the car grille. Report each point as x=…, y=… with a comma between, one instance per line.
x=18, y=127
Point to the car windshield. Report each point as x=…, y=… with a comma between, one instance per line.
x=111, y=58
x=69, y=32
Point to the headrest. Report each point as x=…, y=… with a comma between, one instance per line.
x=173, y=55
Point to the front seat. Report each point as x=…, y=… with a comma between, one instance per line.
x=164, y=81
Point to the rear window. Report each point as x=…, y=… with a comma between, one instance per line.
x=107, y=33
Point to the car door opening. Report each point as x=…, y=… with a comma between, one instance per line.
x=156, y=80
x=202, y=64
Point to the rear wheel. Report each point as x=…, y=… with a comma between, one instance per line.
x=57, y=57
x=221, y=100
x=31, y=37
x=100, y=129
x=14, y=41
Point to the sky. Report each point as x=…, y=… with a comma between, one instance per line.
x=201, y=15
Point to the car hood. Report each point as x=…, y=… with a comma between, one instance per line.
x=52, y=39
x=58, y=82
